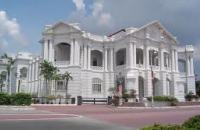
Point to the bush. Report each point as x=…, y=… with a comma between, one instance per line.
x=21, y=99
x=163, y=99
x=191, y=96
x=193, y=123
x=164, y=127
x=4, y=99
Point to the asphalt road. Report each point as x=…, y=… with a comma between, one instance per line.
x=91, y=117
x=61, y=124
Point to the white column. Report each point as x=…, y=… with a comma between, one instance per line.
x=106, y=59
x=176, y=60
x=173, y=60
x=130, y=55
x=85, y=56
x=111, y=59
x=72, y=53
x=29, y=77
x=134, y=54
x=192, y=66
x=45, y=50
x=89, y=57
x=147, y=57
x=161, y=59
x=50, y=51
x=76, y=53
x=188, y=65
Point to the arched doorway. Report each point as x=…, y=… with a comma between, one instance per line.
x=121, y=57
x=62, y=52
x=141, y=88
x=156, y=87
x=96, y=58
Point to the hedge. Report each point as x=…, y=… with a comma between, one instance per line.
x=163, y=98
x=15, y=99
x=191, y=124
x=4, y=99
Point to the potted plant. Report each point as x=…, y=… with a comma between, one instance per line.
x=51, y=98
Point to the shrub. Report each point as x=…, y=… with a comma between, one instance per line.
x=190, y=96
x=193, y=123
x=164, y=127
x=163, y=99
x=21, y=99
x=4, y=99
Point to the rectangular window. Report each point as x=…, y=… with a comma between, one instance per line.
x=60, y=85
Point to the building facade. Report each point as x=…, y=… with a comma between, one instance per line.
x=136, y=55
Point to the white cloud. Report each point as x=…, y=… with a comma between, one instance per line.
x=93, y=17
x=9, y=28
x=79, y=4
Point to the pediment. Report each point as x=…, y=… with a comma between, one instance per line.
x=157, y=32
x=63, y=28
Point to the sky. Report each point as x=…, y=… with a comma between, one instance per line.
x=22, y=21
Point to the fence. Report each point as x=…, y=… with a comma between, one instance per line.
x=45, y=100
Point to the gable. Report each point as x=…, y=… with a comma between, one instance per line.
x=62, y=28
x=157, y=32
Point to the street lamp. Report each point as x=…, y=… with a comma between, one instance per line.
x=153, y=52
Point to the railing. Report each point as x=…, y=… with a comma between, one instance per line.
x=97, y=67
x=46, y=100
x=62, y=63
x=95, y=100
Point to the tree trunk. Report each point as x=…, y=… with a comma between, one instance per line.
x=46, y=87
x=66, y=90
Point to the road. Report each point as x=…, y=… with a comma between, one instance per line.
x=91, y=117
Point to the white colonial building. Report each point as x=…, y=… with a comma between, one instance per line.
x=95, y=62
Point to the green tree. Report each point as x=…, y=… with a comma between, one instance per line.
x=48, y=71
x=66, y=77
x=8, y=66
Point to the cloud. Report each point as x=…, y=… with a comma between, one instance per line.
x=92, y=17
x=79, y=4
x=10, y=29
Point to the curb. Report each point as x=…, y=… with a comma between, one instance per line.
x=53, y=105
x=170, y=107
x=16, y=108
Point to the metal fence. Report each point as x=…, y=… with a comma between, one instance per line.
x=46, y=100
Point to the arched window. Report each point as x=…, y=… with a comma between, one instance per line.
x=139, y=56
x=166, y=59
x=62, y=52
x=182, y=65
x=3, y=74
x=153, y=57
x=96, y=85
x=96, y=58
x=121, y=57
x=23, y=72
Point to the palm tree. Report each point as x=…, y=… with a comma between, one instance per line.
x=8, y=67
x=66, y=77
x=48, y=71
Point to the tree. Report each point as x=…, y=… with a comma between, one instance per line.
x=48, y=71
x=66, y=77
x=8, y=66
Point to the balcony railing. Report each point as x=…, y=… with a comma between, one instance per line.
x=62, y=63
x=97, y=67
